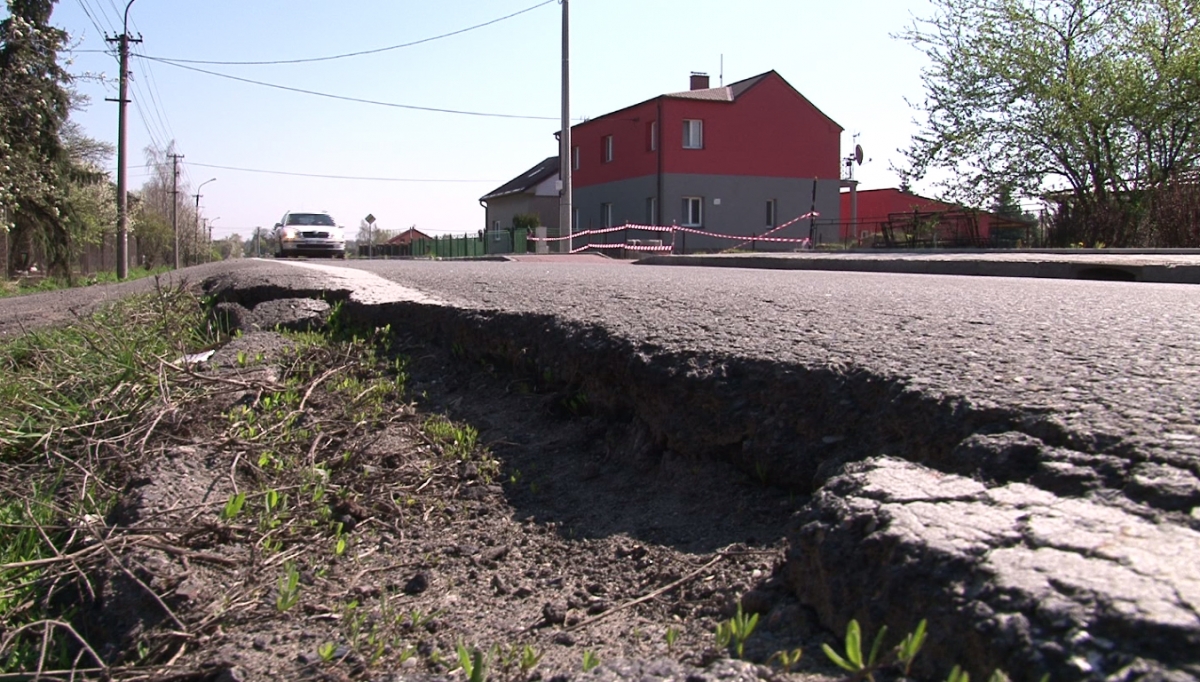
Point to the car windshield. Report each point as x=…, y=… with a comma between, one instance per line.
x=310, y=219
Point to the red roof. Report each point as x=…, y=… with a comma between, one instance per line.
x=408, y=237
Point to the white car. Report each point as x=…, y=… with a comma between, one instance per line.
x=311, y=233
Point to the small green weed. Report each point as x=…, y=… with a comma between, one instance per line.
x=788, y=660
x=910, y=646
x=734, y=632
x=852, y=659
x=472, y=662
x=902, y=654
x=457, y=442
x=530, y=657
x=233, y=507
x=590, y=661
x=289, y=588
x=577, y=403
x=418, y=618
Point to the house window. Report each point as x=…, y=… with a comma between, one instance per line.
x=652, y=136
x=693, y=211
x=606, y=214
x=693, y=134
x=770, y=213
x=608, y=148
x=575, y=158
x=651, y=210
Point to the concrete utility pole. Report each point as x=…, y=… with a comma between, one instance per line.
x=122, y=41
x=565, y=151
x=175, y=202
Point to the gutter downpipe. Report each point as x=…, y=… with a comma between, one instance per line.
x=658, y=204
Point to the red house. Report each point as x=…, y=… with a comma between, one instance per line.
x=739, y=159
x=896, y=218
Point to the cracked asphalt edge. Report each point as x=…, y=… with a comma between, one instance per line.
x=1011, y=575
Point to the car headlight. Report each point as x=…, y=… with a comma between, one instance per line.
x=289, y=233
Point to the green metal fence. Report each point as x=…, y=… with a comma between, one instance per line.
x=472, y=246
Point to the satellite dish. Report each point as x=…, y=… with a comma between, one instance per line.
x=858, y=154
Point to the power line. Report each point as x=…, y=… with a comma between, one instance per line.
x=157, y=134
x=345, y=98
x=150, y=87
x=116, y=10
x=99, y=11
x=83, y=4
x=357, y=54
x=332, y=177
x=137, y=104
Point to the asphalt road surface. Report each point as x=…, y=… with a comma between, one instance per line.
x=1113, y=359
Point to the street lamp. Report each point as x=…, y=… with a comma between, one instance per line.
x=197, y=195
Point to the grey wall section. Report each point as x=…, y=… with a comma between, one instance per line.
x=628, y=198
x=742, y=209
x=504, y=208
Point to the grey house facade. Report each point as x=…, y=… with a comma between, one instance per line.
x=533, y=192
x=729, y=205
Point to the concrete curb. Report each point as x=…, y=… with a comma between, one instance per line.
x=1159, y=267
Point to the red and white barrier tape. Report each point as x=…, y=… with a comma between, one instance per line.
x=644, y=228
x=627, y=247
x=673, y=229
x=778, y=240
x=793, y=221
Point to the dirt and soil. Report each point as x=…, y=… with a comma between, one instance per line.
x=558, y=542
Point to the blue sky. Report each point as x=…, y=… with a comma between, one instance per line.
x=840, y=55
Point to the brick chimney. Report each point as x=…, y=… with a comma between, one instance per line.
x=699, y=81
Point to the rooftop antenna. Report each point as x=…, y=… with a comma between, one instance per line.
x=722, y=74
x=855, y=159
x=851, y=161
